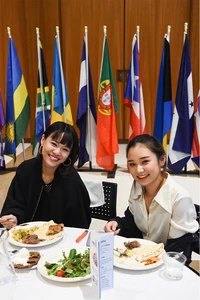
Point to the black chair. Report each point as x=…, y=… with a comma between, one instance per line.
x=108, y=210
x=196, y=247
x=197, y=207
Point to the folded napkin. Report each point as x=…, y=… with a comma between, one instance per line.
x=95, y=190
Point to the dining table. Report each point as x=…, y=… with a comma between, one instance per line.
x=149, y=284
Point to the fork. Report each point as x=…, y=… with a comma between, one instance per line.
x=13, y=251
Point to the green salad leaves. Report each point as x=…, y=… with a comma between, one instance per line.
x=73, y=265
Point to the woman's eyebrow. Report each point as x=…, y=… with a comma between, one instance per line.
x=132, y=160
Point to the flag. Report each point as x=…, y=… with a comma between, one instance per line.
x=133, y=97
x=180, y=143
x=86, y=114
x=163, y=116
x=2, y=123
x=17, y=103
x=2, y=115
x=43, y=108
x=61, y=110
x=107, y=141
x=196, y=135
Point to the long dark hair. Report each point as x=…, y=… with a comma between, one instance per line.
x=151, y=143
x=67, y=136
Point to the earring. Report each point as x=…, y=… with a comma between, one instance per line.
x=161, y=169
x=40, y=150
x=67, y=165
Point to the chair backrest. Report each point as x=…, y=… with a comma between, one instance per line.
x=197, y=207
x=108, y=210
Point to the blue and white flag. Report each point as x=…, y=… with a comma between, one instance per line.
x=180, y=144
x=86, y=114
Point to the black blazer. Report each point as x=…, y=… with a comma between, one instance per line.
x=69, y=199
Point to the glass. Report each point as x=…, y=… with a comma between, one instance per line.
x=7, y=271
x=174, y=263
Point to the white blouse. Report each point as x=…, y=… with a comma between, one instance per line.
x=171, y=213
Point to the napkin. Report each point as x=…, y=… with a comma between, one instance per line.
x=95, y=190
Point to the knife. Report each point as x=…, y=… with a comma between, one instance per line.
x=80, y=237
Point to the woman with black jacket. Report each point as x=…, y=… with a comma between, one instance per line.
x=48, y=187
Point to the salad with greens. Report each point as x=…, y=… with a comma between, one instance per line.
x=74, y=265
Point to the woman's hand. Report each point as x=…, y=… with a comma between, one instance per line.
x=8, y=221
x=112, y=227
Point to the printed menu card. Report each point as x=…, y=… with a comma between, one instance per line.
x=101, y=261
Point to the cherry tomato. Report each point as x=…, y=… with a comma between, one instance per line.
x=60, y=273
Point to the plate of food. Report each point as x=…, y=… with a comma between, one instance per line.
x=66, y=266
x=24, y=259
x=36, y=234
x=137, y=254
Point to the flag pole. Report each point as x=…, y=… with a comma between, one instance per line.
x=61, y=70
x=168, y=32
x=88, y=97
x=185, y=31
x=40, y=76
x=184, y=35
x=138, y=36
x=104, y=38
x=23, y=148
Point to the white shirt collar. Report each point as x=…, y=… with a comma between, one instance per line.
x=163, y=196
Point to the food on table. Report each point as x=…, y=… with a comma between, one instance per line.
x=37, y=234
x=31, y=239
x=18, y=234
x=43, y=231
x=75, y=264
x=138, y=253
x=131, y=245
x=53, y=229
x=24, y=259
x=151, y=260
x=147, y=252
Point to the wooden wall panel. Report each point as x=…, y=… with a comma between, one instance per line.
x=44, y=15
x=194, y=45
x=12, y=15
x=23, y=17
x=153, y=17
x=95, y=14
x=121, y=18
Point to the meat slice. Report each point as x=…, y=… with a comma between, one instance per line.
x=31, y=239
x=132, y=245
x=53, y=229
x=33, y=259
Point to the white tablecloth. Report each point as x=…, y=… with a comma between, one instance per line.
x=134, y=285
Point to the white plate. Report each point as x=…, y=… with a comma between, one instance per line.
x=129, y=263
x=24, y=269
x=40, y=244
x=53, y=258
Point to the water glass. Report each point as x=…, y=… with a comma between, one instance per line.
x=7, y=271
x=174, y=263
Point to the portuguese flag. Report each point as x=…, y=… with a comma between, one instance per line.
x=107, y=141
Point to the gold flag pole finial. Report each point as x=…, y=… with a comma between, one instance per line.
x=137, y=29
x=105, y=30
x=37, y=30
x=168, y=29
x=185, y=27
x=86, y=29
x=9, y=32
x=57, y=30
